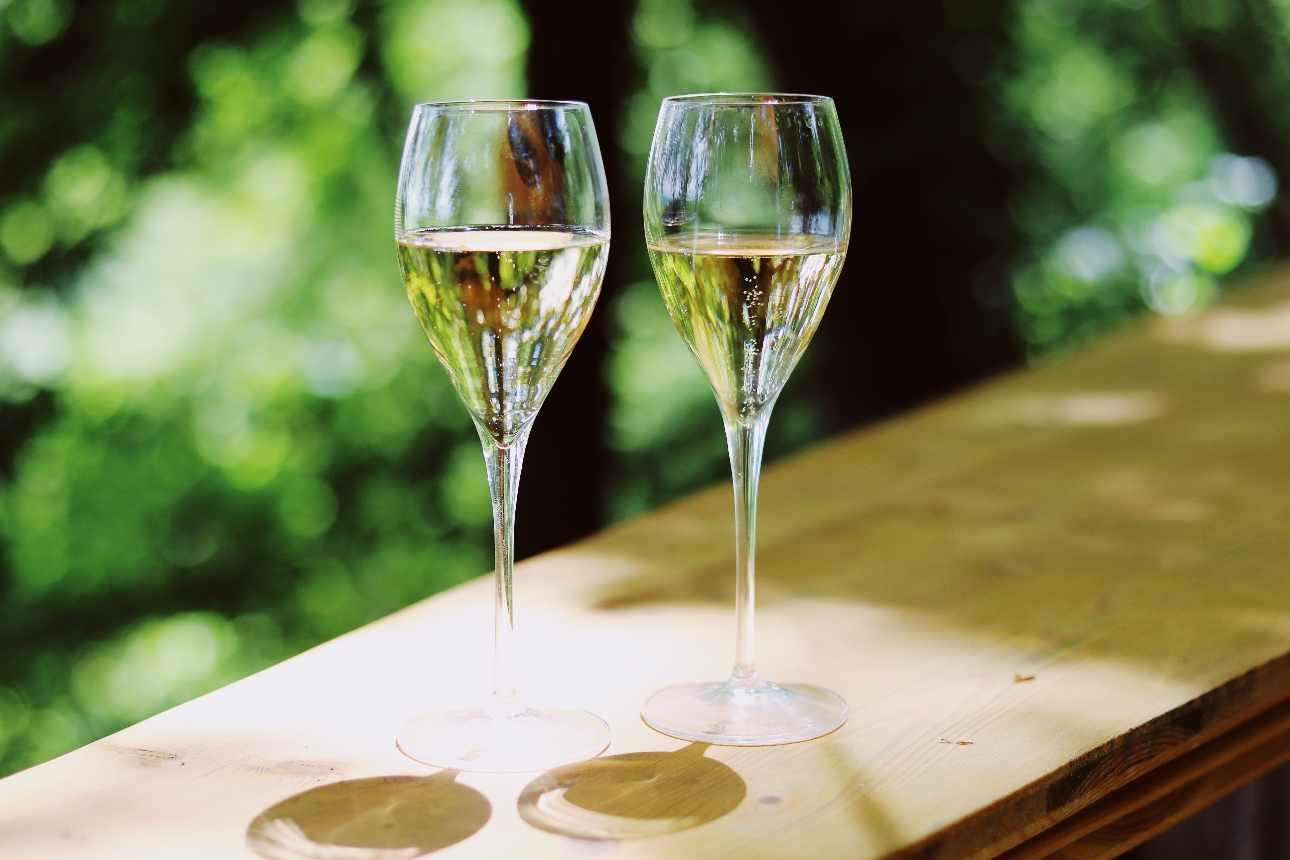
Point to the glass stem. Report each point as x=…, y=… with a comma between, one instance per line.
x=504, y=465
x=746, y=441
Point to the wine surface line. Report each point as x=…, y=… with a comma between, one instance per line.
x=747, y=305
x=503, y=309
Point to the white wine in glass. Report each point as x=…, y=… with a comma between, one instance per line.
x=502, y=229
x=503, y=309
x=747, y=217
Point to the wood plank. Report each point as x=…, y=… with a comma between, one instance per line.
x=1035, y=596
x=1135, y=828
x=1165, y=796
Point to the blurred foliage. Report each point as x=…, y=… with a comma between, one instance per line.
x=1129, y=197
x=222, y=438
x=243, y=445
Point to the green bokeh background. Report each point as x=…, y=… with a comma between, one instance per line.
x=224, y=440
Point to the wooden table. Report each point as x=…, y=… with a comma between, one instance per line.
x=1058, y=606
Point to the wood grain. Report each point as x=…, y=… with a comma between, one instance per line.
x=1057, y=605
x=1168, y=794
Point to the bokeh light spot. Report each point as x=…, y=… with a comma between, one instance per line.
x=308, y=507
x=38, y=21
x=465, y=487
x=26, y=231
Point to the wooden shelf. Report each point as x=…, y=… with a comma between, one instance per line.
x=1057, y=604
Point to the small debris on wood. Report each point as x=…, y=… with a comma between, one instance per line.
x=959, y=743
x=1018, y=679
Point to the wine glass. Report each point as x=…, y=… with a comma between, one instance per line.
x=747, y=216
x=502, y=227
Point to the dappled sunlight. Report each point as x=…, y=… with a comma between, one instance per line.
x=987, y=712
x=1235, y=330
x=994, y=599
x=1115, y=521
x=1092, y=408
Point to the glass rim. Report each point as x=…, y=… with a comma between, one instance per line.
x=500, y=105
x=747, y=99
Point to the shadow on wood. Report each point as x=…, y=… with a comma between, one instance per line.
x=384, y=818
x=632, y=796
x=1110, y=504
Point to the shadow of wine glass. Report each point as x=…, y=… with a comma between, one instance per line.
x=632, y=796
x=382, y=818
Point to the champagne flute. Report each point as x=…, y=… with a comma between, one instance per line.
x=747, y=216
x=502, y=228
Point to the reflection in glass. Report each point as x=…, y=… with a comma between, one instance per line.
x=747, y=217
x=502, y=226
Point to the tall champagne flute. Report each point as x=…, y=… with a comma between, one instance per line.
x=502, y=227
x=747, y=216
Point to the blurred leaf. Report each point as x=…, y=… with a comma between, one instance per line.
x=249, y=447
x=447, y=49
x=38, y=21
x=26, y=231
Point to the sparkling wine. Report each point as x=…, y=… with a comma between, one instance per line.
x=503, y=308
x=747, y=304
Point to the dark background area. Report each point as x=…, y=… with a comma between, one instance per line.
x=567, y=469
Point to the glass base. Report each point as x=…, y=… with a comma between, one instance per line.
x=504, y=738
x=748, y=713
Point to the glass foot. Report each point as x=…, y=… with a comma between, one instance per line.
x=750, y=713
x=504, y=738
